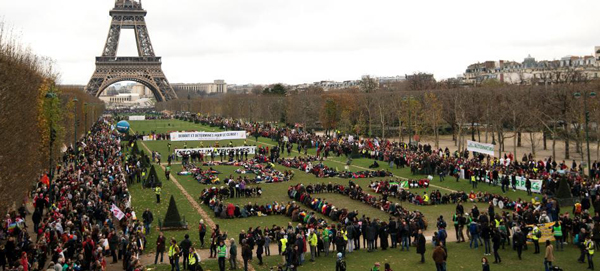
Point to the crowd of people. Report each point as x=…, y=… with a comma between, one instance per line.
x=73, y=219
x=422, y=159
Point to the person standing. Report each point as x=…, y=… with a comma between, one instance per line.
x=232, y=254
x=589, y=247
x=340, y=263
x=439, y=257
x=246, y=254
x=549, y=256
x=157, y=191
x=260, y=244
x=325, y=237
x=313, y=241
x=558, y=235
x=519, y=240
x=185, y=246
x=535, y=236
x=221, y=254
x=174, y=253
x=421, y=243
x=202, y=232
x=496, y=241
x=160, y=247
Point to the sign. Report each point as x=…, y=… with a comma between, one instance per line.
x=536, y=185
x=137, y=117
x=117, y=212
x=480, y=147
x=196, y=136
x=243, y=149
x=148, y=138
x=545, y=229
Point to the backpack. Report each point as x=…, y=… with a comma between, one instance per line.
x=576, y=239
x=538, y=234
x=343, y=265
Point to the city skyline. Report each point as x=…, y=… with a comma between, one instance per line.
x=262, y=42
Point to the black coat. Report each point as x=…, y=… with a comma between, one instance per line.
x=421, y=243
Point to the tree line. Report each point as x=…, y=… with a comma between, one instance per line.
x=35, y=113
x=491, y=112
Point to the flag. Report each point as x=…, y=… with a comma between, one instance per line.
x=117, y=212
x=45, y=180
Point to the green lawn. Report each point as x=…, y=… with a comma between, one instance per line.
x=460, y=256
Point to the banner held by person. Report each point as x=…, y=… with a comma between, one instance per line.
x=225, y=150
x=536, y=185
x=480, y=147
x=199, y=136
x=137, y=117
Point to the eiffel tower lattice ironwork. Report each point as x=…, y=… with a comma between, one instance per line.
x=145, y=68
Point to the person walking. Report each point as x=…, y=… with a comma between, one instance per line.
x=201, y=232
x=421, y=243
x=340, y=263
x=148, y=219
x=549, y=256
x=160, y=247
x=325, y=237
x=246, y=254
x=174, y=253
x=232, y=254
x=221, y=254
x=439, y=257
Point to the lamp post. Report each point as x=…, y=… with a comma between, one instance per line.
x=587, y=94
x=408, y=99
x=75, y=125
x=51, y=96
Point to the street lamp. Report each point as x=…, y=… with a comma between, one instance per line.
x=75, y=125
x=587, y=94
x=408, y=99
x=51, y=96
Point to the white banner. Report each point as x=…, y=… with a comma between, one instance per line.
x=193, y=136
x=225, y=150
x=480, y=147
x=536, y=185
x=137, y=117
x=148, y=138
x=117, y=212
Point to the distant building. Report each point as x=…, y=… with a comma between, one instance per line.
x=531, y=71
x=217, y=87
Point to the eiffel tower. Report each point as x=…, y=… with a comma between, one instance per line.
x=145, y=68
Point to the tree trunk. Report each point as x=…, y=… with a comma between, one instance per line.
x=544, y=137
x=473, y=131
x=567, y=156
x=519, y=139
x=531, y=137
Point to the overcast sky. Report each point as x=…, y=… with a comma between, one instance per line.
x=270, y=41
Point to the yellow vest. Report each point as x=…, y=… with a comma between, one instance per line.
x=590, y=246
x=534, y=234
x=173, y=251
x=157, y=190
x=283, y=244
x=192, y=259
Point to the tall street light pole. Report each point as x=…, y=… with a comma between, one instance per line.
x=587, y=94
x=75, y=125
x=50, y=96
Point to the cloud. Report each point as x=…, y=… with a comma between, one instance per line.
x=266, y=41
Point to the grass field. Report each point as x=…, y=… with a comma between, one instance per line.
x=460, y=256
